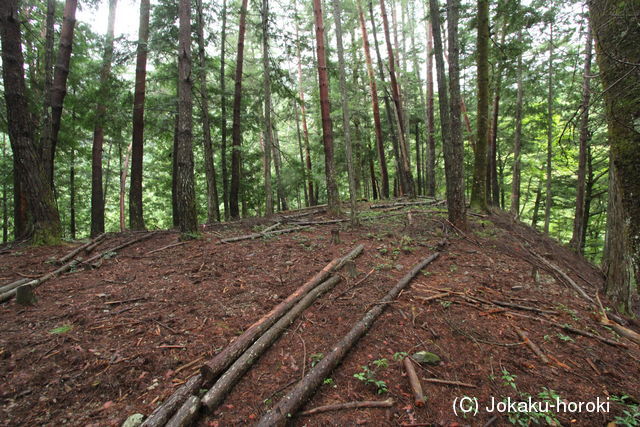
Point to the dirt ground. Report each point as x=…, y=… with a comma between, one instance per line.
x=109, y=340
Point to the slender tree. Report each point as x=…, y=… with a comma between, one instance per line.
x=548, y=195
x=213, y=204
x=45, y=222
x=277, y=163
x=346, y=114
x=136, y=218
x=431, y=130
x=236, y=133
x=223, y=113
x=45, y=134
x=185, y=191
x=478, y=194
x=267, y=132
x=580, y=220
x=97, y=192
x=333, y=200
x=615, y=29
x=5, y=209
x=517, y=139
x=375, y=105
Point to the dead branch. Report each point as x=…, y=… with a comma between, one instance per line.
x=350, y=405
x=80, y=248
x=523, y=335
x=162, y=413
x=289, y=404
x=262, y=234
x=214, y=367
x=414, y=382
x=564, y=276
x=173, y=245
x=118, y=247
x=225, y=383
x=10, y=293
x=186, y=414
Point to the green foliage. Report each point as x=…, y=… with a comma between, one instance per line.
x=368, y=376
x=61, y=329
x=315, y=358
x=631, y=412
x=399, y=355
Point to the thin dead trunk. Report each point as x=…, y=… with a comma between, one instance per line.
x=123, y=186
x=277, y=163
x=303, y=170
x=431, y=131
x=5, y=179
x=517, y=139
x=72, y=193
x=236, y=132
x=550, y=93
x=267, y=131
x=136, y=218
x=223, y=114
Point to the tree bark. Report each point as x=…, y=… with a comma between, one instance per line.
x=277, y=163
x=185, y=194
x=478, y=189
x=136, y=218
x=616, y=33
x=223, y=114
x=267, y=132
x=45, y=134
x=5, y=209
x=333, y=200
x=236, y=133
x=517, y=139
x=548, y=196
x=431, y=130
x=375, y=105
x=580, y=219
x=97, y=192
x=33, y=182
x=346, y=114
x=213, y=204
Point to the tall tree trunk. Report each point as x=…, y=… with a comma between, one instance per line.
x=277, y=163
x=478, y=194
x=186, y=197
x=431, y=129
x=346, y=115
x=123, y=185
x=493, y=188
x=59, y=85
x=305, y=130
x=580, y=220
x=406, y=179
x=267, y=132
x=375, y=105
x=37, y=191
x=136, y=217
x=213, y=204
x=325, y=110
x=517, y=139
x=588, y=197
x=45, y=134
x=72, y=193
x=536, y=206
x=5, y=179
x=174, y=169
x=548, y=197
x=455, y=166
x=236, y=133
x=97, y=192
x=223, y=114
x=300, y=149
x=615, y=29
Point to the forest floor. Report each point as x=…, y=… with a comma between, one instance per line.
x=117, y=338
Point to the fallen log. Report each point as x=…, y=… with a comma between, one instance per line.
x=328, y=221
x=288, y=405
x=216, y=394
x=414, y=382
x=13, y=285
x=80, y=248
x=214, y=367
x=7, y=295
x=262, y=234
x=187, y=413
x=350, y=405
x=163, y=413
x=449, y=382
x=172, y=245
x=118, y=247
x=523, y=335
x=401, y=204
x=564, y=276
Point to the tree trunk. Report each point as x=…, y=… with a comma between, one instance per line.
x=431, y=129
x=548, y=197
x=615, y=29
x=45, y=134
x=346, y=115
x=5, y=179
x=236, y=133
x=213, y=204
x=384, y=175
x=185, y=195
x=223, y=114
x=123, y=185
x=136, y=218
x=267, y=132
x=97, y=192
x=72, y=193
x=579, y=221
x=333, y=200
x=517, y=139
x=277, y=163
x=37, y=191
x=493, y=188
x=300, y=149
x=455, y=147
x=174, y=170
x=536, y=206
x=305, y=130
x=478, y=194
x=406, y=179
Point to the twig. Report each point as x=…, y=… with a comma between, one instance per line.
x=414, y=382
x=523, y=335
x=350, y=405
x=167, y=327
x=355, y=284
x=173, y=245
x=449, y=382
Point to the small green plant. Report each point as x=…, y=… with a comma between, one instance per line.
x=509, y=379
x=453, y=268
x=329, y=381
x=316, y=358
x=631, y=413
x=368, y=376
x=399, y=355
x=61, y=329
x=565, y=338
x=570, y=312
x=381, y=363
x=445, y=304
x=523, y=418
